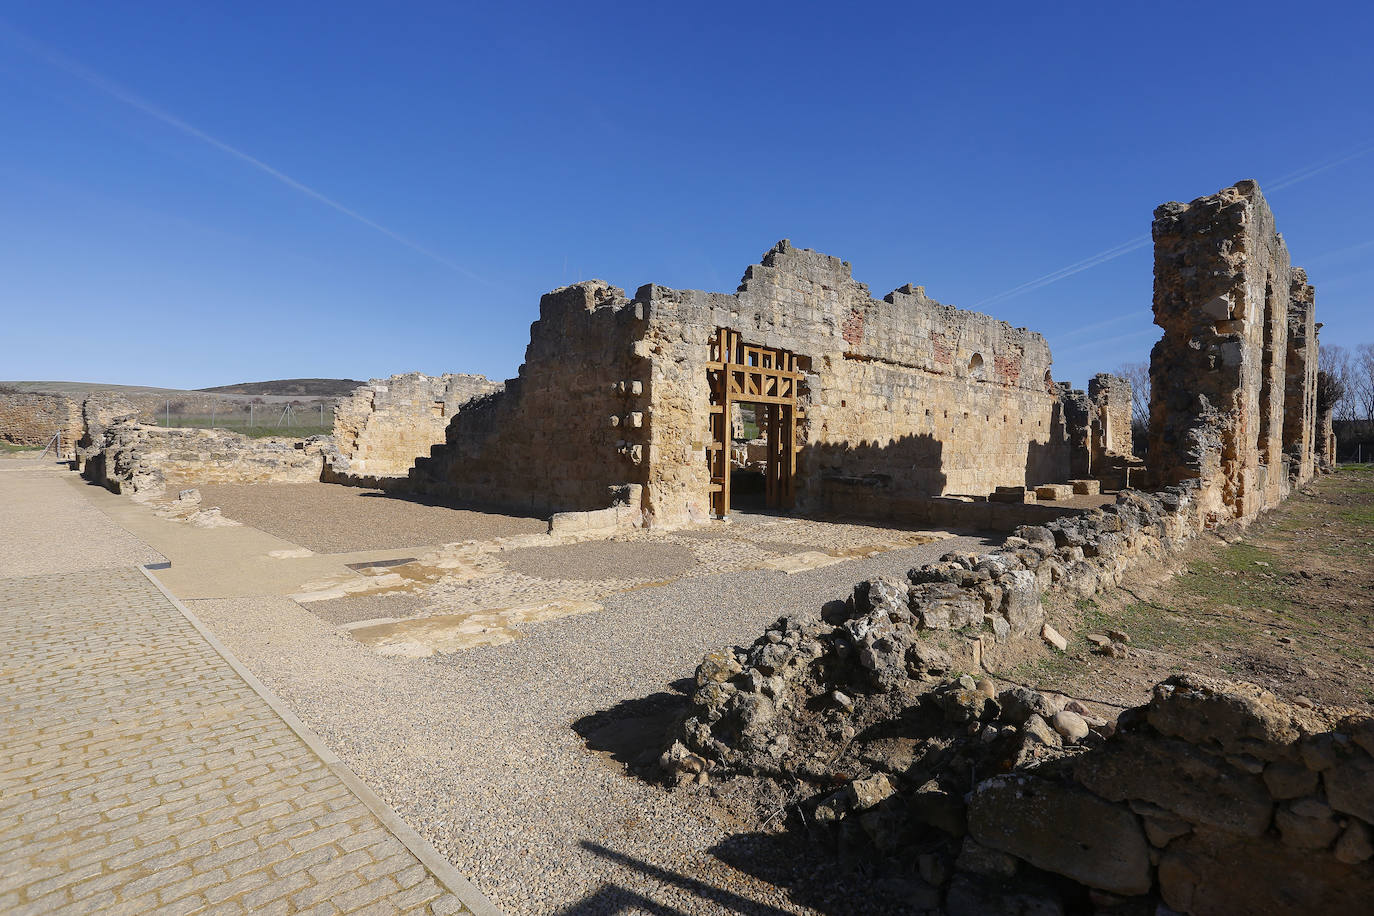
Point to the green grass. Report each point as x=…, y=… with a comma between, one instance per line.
x=9, y=448
x=239, y=424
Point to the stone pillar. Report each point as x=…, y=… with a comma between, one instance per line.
x=1300, y=384
x=1222, y=283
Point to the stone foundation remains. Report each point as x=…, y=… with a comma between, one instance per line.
x=383, y=426
x=147, y=461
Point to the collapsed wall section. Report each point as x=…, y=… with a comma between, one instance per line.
x=383, y=426
x=1219, y=375
x=904, y=398
x=32, y=419
x=568, y=428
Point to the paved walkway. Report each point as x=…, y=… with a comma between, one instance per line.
x=144, y=771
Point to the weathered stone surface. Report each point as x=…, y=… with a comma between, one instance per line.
x=383, y=426
x=1228, y=300
x=1350, y=785
x=1213, y=873
x=1236, y=718
x=1062, y=830
x=1178, y=777
x=149, y=460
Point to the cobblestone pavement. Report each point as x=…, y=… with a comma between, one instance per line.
x=141, y=773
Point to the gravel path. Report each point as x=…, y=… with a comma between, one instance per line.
x=599, y=560
x=328, y=518
x=478, y=750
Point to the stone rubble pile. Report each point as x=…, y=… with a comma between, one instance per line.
x=758, y=710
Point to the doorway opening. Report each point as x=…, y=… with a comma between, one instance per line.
x=768, y=379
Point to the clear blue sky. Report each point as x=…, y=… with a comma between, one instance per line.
x=196, y=194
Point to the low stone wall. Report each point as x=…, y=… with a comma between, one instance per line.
x=149, y=460
x=861, y=497
x=28, y=418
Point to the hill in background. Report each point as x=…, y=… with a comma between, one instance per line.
x=292, y=387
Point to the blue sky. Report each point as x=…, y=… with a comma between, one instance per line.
x=199, y=194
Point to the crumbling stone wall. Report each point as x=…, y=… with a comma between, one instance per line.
x=1219, y=375
x=383, y=426
x=149, y=460
x=30, y=418
x=1111, y=399
x=904, y=397
x=1300, y=382
x=569, y=428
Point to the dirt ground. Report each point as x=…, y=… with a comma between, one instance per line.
x=1287, y=604
x=328, y=518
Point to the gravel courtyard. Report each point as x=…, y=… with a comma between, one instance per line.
x=478, y=750
x=510, y=758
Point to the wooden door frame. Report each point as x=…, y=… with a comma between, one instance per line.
x=741, y=373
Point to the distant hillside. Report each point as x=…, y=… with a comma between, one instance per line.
x=293, y=387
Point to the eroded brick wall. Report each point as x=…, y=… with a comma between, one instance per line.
x=30, y=418
x=383, y=426
x=1219, y=375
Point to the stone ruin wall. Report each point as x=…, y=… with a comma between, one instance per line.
x=31, y=419
x=905, y=398
x=1220, y=379
x=150, y=460
x=568, y=428
x=1300, y=382
x=1111, y=398
x=383, y=426
x=1097, y=425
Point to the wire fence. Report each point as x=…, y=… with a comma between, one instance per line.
x=296, y=419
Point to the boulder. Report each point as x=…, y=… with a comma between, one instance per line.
x=1063, y=830
x=1196, y=786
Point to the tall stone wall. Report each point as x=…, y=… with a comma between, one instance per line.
x=1300, y=382
x=567, y=429
x=1219, y=375
x=383, y=426
x=904, y=397
x=30, y=418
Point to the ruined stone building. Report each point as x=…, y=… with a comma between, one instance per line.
x=1233, y=380
x=897, y=408
x=383, y=426
x=870, y=406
